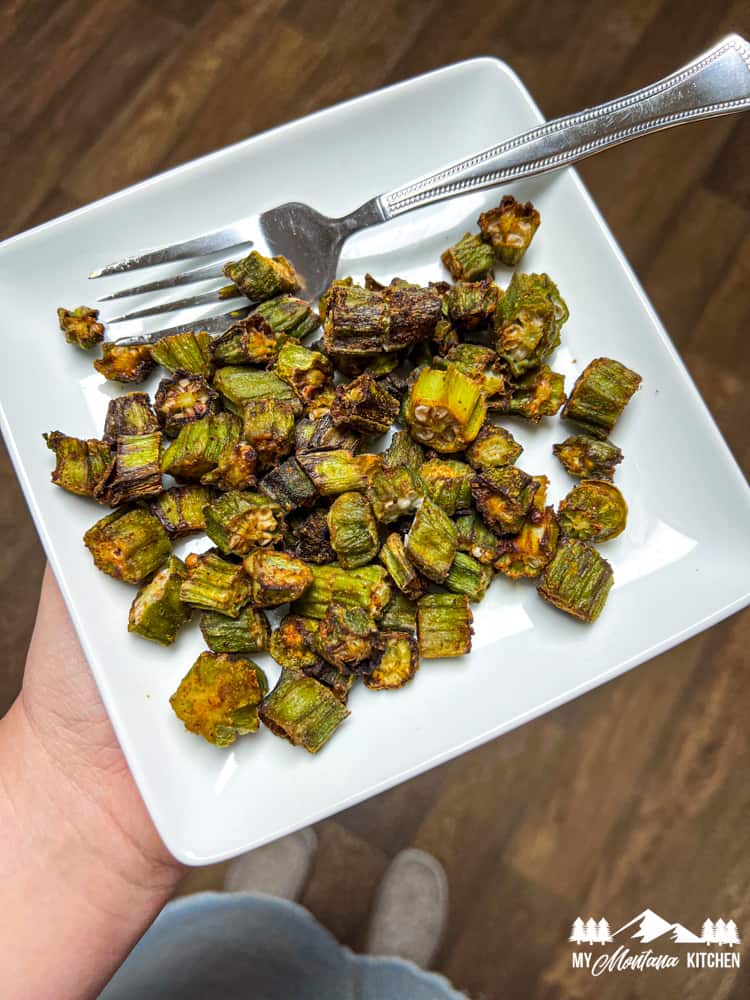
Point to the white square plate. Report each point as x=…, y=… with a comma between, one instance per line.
x=681, y=565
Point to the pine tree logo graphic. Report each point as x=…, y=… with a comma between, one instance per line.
x=648, y=926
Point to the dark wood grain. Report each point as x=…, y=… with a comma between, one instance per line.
x=635, y=795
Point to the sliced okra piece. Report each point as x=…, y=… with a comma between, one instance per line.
x=577, y=580
x=310, y=540
x=413, y=313
x=81, y=466
x=157, y=613
x=448, y=483
x=470, y=259
x=353, y=530
x=239, y=521
x=334, y=679
x=504, y=497
x=365, y=587
x=239, y=386
x=288, y=315
x=180, y=509
x=493, y=447
x=346, y=637
x=219, y=697
x=468, y=576
x=528, y=321
x=355, y=320
x=325, y=299
x=276, y=577
x=600, y=394
x=400, y=614
x=129, y=414
x=475, y=538
x=269, y=428
x=588, y=458
x=471, y=305
x=481, y=364
x=339, y=471
x=538, y=394
x=81, y=326
x=363, y=405
x=289, y=486
x=325, y=436
x=444, y=625
x=302, y=711
x=395, y=663
x=198, y=447
x=527, y=553
x=182, y=399
x=185, y=352
x=214, y=584
x=403, y=450
x=393, y=556
x=261, y=278
x=445, y=336
x=292, y=644
x=432, y=541
x=593, y=511
x=235, y=468
x=307, y=372
x=445, y=409
x=394, y=492
x=128, y=544
x=120, y=363
x=250, y=341
x=248, y=633
x=136, y=473
x=509, y=229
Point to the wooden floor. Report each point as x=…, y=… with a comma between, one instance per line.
x=636, y=795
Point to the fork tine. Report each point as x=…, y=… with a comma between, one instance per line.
x=213, y=324
x=242, y=232
x=183, y=278
x=163, y=307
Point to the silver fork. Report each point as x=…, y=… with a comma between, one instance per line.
x=716, y=83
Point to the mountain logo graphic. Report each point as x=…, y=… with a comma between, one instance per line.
x=649, y=926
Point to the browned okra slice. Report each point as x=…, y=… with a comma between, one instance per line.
x=248, y=633
x=365, y=587
x=214, y=584
x=185, y=352
x=355, y=320
x=577, y=580
x=444, y=625
x=509, y=229
x=325, y=436
x=198, y=447
x=403, y=450
x=468, y=576
x=180, y=509
x=182, y=399
x=157, y=613
x=303, y=711
x=276, y=577
x=504, y=497
x=289, y=486
x=353, y=530
x=219, y=697
x=600, y=394
x=238, y=521
x=588, y=458
x=394, y=492
x=250, y=341
x=309, y=539
x=346, y=637
x=287, y=315
x=471, y=305
x=80, y=466
x=235, y=468
x=448, y=483
x=470, y=259
x=239, y=386
x=431, y=544
x=527, y=553
x=128, y=544
x=308, y=372
x=292, y=644
x=413, y=313
x=445, y=409
x=339, y=471
x=120, y=363
x=393, y=556
x=475, y=538
x=528, y=321
x=362, y=405
x=538, y=394
x=399, y=615
x=129, y=414
x=269, y=428
x=395, y=663
x=136, y=474
x=492, y=448
x=593, y=511
x=81, y=326
x=482, y=365
x=261, y=278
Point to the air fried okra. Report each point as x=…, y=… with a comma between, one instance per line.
x=238, y=521
x=509, y=229
x=445, y=409
x=593, y=511
x=444, y=625
x=528, y=321
x=214, y=584
x=353, y=530
x=80, y=466
x=128, y=544
x=527, y=553
x=577, y=580
x=188, y=352
x=121, y=363
x=366, y=587
x=218, y=698
x=248, y=633
x=504, y=497
x=129, y=414
x=346, y=637
x=432, y=542
x=180, y=509
x=362, y=405
x=261, y=278
x=395, y=663
x=394, y=492
x=470, y=259
x=600, y=394
x=81, y=326
x=493, y=447
x=588, y=458
x=157, y=613
x=302, y=711
x=275, y=577
x=136, y=473
x=183, y=399
x=540, y=393
x=393, y=556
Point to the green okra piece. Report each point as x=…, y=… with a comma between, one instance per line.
x=527, y=553
x=269, y=428
x=128, y=544
x=303, y=433
x=339, y=471
x=509, y=229
x=588, y=458
x=355, y=320
x=248, y=633
x=577, y=580
x=395, y=663
x=288, y=315
x=444, y=625
x=492, y=448
x=310, y=540
x=157, y=613
x=362, y=405
x=238, y=521
x=214, y=584
x=129, y=414
x=81, y=466
x=432, y=541
x=593, y=511
x=249, y=341
x=81, y=326
x=308, y=372
x=275, y=577
x=365, y=587
x=413, y=313
x=393, y=556
x=182, y=399
x=394, y=492
x=353, y=530
x=289, y=486
x=292, y=644
x=476, y=539
x=403, y=451
x=239, y=386
x=346, y=637
x=302, y=711
x=470, y=259
x=180, y=509
x=125, y=364
x=400, y=614
x=504, y=497
x=471, y=305
x=185, y=352
x=333, y=678
x=198, y=447
x=600, y=394
x=325, y=436
x=447, y=483
x=468, y=576
x=445, y=336
x=539, y=394
x=528, y=322
x=482, y=365
x=219, y=697
x=136, y=473
x=261, y=278
x=445, y=409
x=235, y=468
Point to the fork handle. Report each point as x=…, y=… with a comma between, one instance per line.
x=716, y=83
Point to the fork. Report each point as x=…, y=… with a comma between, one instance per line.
x=715, y=83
